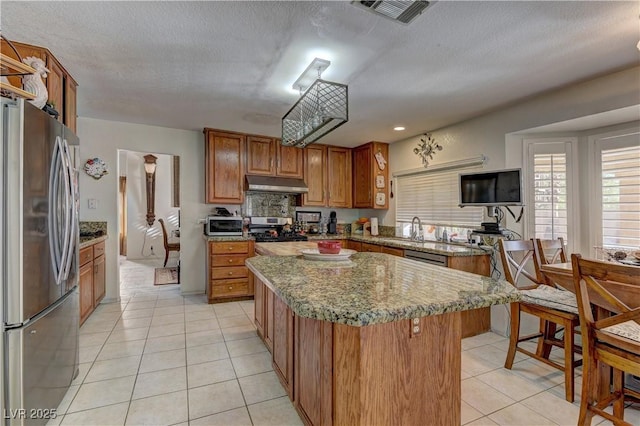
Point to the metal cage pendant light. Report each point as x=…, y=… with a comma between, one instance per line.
x=322, y=108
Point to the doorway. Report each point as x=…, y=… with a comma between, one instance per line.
x=142, y=242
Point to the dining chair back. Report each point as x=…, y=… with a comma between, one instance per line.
x=551, y=306
x=549, y=252
x=611, y=337
x=167, y=245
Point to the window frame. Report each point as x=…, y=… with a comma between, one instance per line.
x=595, y=143
x=554, y=145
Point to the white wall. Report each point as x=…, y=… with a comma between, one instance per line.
x=488, y=134
x=139, y=247
x=100, y=138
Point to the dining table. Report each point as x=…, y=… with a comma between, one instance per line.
x=562, y=275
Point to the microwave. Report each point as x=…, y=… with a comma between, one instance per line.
x=223, y=226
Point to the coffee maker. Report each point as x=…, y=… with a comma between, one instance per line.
x=332, y=225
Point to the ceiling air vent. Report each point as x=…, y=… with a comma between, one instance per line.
x=401, y=11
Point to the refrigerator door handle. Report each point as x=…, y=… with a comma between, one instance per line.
x=66, y=214
x=53, y=219
x=70, y=211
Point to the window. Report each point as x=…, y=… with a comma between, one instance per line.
x=550, y=199
x=432, y=195
x=617, y=170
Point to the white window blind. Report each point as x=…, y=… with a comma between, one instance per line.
x=550, y=196
x=621, y=197
x=433, y=196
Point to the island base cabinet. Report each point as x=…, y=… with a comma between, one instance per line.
x=283, y=344
x=313, y=368
x=400, y=373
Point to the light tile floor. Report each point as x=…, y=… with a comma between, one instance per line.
x=163, y=359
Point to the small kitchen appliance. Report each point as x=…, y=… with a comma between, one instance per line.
x=223, y=226
x=333, y=224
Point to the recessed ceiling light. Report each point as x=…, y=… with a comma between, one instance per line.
x=398, y=128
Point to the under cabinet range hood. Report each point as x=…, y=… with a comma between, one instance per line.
x=275, y=184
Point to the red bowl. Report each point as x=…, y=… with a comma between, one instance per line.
x=329, y=247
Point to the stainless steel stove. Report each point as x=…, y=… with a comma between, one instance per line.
x=274, y=229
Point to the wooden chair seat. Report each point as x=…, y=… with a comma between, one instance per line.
x=608, y=340
x=555, y=308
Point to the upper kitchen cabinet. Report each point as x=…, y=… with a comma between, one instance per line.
x=315, y=175
x=327, y=173
x=266, y=156
x=224, y=166
x=261, y=155
x=371, y=176
x=339, y=176
x=61, y=87
x=289, y=161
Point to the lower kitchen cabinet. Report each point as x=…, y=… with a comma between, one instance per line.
x=282, y=341
x=92, y=281
x=263, y=312
x=227, y=277
x=393, y=251
x=373, y=248
x=313, y=370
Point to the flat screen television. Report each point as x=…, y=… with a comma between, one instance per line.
x=496, y=188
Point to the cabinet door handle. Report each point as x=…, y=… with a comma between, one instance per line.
x=230, y=287
x=230, y=248
x=230, y=260
x=230, y=273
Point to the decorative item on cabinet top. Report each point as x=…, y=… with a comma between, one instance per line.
x=96, y=168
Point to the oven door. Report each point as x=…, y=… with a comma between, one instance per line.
x=223, y=226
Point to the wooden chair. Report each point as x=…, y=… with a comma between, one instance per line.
x=612, y=339
x=167, y=245
x=552, y=306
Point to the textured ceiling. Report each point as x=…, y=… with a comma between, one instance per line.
x=230, y=65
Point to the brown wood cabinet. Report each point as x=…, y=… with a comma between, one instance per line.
x=366, y=247
x=92, y=281
x=339, y=176
x=259, y=305
x=353, y=245
x=227, y=277
x=283, y=343
x=393, y=251
x=61, y=87
x=313, y=370
x=289, y=161
x=370, y=183
x=315, y=175
x=268, y=318
x=266, y=156
x=224, y=166
x=327, y=173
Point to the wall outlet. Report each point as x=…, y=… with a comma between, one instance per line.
x=93, y=203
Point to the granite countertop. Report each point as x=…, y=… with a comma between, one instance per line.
x=426, y=246
x=403, y=243
x=89, y=241
x=227, y=238
x=373, y=288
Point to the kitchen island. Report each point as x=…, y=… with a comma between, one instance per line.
x=372, y=340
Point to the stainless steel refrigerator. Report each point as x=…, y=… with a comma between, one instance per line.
x=38, y=262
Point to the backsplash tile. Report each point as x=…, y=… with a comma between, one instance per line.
x=269, y=204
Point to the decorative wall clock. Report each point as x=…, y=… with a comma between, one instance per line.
x=427, y=148
x=96, y=168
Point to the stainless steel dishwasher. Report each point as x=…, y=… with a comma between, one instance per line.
x=421, y=256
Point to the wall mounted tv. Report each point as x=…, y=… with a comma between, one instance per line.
x=496, y=188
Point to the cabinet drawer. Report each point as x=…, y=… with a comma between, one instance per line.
x=229, y=260
x=371, y=248
x=393, y=251
x=235, y=287
x=230, y=272
x=86, y=255
x=98, y=249
x=230, y=247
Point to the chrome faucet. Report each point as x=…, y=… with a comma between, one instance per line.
x=416, y=234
